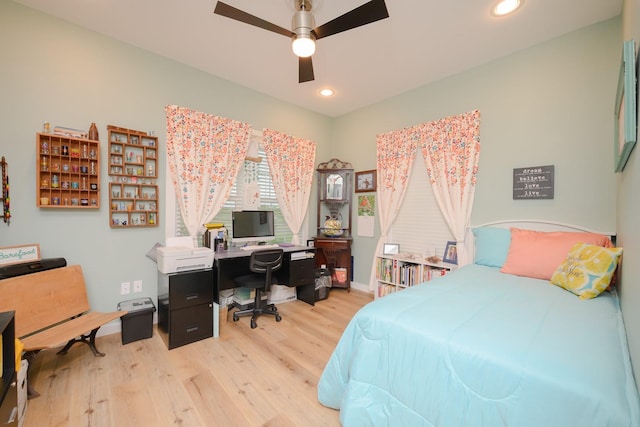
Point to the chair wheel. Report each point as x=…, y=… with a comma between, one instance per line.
x=253, y=324
x=235, y=318
x=278, y=318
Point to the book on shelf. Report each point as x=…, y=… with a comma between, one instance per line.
x=384, y=290
x=340, y=274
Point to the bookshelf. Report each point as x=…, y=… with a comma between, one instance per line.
x=397, y=272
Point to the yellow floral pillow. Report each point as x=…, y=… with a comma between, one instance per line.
x=587, y=270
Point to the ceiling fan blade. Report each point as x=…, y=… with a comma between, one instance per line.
x=305, y=70
x=372, y=11
x=228, y=11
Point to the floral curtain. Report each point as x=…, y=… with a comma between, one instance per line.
x=395, y=154
x=204, y=154
x=451, y=151
x=291, y=161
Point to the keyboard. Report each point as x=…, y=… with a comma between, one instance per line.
x=256, y=247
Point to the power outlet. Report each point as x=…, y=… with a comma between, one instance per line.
x=125, y=288
x=137, y=286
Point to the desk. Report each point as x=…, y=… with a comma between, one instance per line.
x=300, y=273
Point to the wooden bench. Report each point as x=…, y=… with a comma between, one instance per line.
x=52, y=309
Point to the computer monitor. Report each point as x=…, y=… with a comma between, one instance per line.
x=252, y=226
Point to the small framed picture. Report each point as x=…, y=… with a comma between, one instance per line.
x=310, y=243
x=365, y=181
x=391, y=249
x=451, y=253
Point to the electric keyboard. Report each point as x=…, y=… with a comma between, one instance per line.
x=256, y=247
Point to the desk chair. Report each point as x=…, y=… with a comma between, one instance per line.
x=262, y=264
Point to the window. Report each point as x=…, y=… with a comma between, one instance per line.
x=420, y=226
x=268, y=199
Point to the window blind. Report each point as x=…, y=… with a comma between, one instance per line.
x=420, y=226
x=268, y=201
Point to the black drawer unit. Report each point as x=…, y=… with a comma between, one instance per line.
x=185, y=307
x=301, y=272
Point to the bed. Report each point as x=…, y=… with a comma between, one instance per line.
x=487, y=348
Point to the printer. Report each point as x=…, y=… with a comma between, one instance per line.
x=176, y=259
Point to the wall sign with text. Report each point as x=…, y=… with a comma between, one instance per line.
x=19, y=254
x=533, y=183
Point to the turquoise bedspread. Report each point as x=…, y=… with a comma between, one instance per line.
x=482, y=348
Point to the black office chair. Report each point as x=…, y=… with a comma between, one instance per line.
x=262, y=263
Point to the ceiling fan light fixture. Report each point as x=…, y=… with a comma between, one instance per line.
x=304, y=42
x=303, y=46
x=505, y=7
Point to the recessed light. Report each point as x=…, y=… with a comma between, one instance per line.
x=327, y=92
x=505, y=7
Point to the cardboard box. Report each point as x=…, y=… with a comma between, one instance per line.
x=245, y=303
x=241, y=294
x=281, y=293
x=226, y=297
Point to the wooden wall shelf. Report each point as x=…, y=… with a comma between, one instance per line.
x=133, y=167
x=68, y=172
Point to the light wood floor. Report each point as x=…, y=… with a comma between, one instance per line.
x=267, y=376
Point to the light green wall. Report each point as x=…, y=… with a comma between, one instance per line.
x=628, y=215
x=55, y=71
x=547, y=105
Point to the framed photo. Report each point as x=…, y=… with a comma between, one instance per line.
x=391, y=249
x=366, y=181
x=451, y=253
x=625, y=108
x=310, y=243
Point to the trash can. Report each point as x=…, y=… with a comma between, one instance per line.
x=323, y=283
x=137, y=324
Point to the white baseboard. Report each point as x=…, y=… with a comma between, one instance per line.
x=361, y=287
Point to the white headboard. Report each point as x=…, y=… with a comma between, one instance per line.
x=528, y=224
x=539, y=225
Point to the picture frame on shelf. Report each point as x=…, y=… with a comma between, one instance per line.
x=310, y=243
x=450, y=253
x=625, y=121
x=366, y=181
x=391, y=249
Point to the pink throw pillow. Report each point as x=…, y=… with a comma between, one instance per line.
x=538, y=253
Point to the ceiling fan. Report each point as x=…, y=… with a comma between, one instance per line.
x=303, y=33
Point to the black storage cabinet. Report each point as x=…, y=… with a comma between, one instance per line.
x=137, y=324
x=185, y=307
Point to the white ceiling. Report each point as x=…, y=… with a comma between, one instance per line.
x=422, y=41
